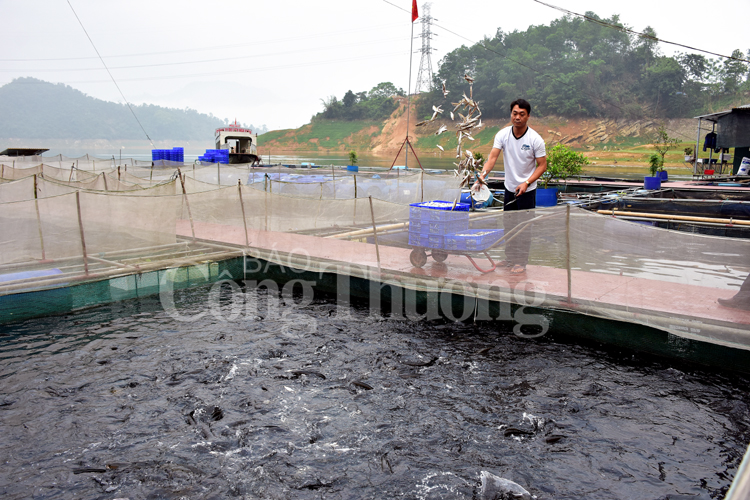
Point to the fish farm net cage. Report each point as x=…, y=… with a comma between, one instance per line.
x=96, y=235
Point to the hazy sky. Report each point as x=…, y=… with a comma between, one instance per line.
x=271, y=62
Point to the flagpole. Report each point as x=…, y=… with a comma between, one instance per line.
x=408, y=94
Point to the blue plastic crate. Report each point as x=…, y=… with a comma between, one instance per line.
x=435, y=241
x=473, y=240
x=437, y=210
x=443, y=205
x=436, y=217
x=444, y=227
x=425, y=240
x=444, y=215
x=418, y=239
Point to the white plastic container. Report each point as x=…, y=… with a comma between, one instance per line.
x=744, y=167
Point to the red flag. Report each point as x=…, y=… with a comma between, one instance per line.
x=414, y=13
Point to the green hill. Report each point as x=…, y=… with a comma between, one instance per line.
x=35, y=109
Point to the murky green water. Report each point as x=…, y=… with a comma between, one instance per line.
x=315, y=401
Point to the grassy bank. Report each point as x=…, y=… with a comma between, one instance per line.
x=322, y=135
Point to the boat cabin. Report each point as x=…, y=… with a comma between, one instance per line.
x=241, y=143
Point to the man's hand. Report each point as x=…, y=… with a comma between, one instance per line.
x=521, y=189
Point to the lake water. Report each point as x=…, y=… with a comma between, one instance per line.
x=316, y=401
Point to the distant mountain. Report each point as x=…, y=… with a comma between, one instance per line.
x=35, y=109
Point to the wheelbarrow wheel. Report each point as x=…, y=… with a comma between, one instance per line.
x=418, y=257
x=439, y=255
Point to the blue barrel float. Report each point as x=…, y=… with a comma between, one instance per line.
x=652, y=183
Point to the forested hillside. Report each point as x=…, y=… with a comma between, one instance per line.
x=578, y=68
x=34, y=109
x=377, y=104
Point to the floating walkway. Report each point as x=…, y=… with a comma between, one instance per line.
x=652, y=315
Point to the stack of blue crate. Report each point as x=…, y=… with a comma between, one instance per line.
x=215, y=156
x=174, y=154
x=430, y=221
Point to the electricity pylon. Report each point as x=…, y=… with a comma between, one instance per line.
x=424, y=77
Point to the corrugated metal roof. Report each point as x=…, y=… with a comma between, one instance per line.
x=715, y=116
x=22, y=151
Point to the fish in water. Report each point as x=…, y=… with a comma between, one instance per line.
x=297, y=373
x=498, y=488
x=442, y=129
x=362, y=385
x=89, y=470
x=430, y=362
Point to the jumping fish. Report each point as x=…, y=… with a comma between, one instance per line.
x=469, y=102
x=440, y=147
x=470, y=120
x=497, y=487
x=436, y=109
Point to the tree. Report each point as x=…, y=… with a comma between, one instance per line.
x=661, y=83
x=663, y=143
x=385, y=89
x=695, y=65
x=733, y=72
x=647, y=46
x=376, y=105
x=349, y=99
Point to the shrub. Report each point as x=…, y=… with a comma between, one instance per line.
x=655, y=163
x=563, y=162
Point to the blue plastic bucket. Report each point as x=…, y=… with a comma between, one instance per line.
x=663, y=175
x=652, y=182
x=352, y=168
x=546, y=197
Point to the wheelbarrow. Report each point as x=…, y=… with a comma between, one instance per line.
x=469, y=242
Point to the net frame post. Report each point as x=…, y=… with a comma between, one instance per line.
x=83, y=239
x=38, y=216
x=567, y=252
x=187, y=202
x=375, y=232
x=242, y=206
